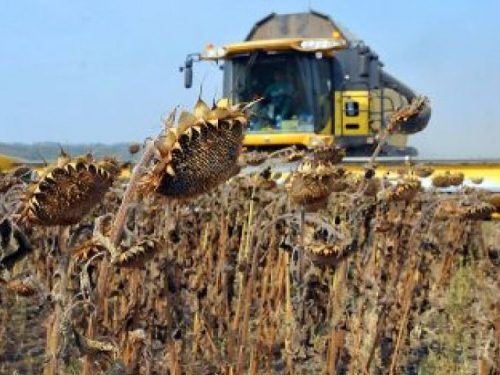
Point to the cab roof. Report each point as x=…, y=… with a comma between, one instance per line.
x=310, y=24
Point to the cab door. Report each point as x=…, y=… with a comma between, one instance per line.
x=352, y=113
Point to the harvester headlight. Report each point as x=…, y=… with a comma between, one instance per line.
x=321, y=44
x=214, y=53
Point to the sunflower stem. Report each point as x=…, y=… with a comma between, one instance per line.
x=121, y=216
x=61, y=293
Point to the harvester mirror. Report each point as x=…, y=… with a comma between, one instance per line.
x=188, y=72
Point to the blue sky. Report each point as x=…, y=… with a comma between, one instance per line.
x=88, y=70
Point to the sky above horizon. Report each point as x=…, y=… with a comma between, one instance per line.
x=107, y=71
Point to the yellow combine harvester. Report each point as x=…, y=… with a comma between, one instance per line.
x=319, y=84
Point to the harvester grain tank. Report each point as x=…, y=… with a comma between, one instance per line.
x=319, y=84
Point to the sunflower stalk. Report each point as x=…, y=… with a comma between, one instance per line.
x=121, y=215
x=60, y=293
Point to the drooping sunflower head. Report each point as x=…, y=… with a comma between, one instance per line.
x=254, y=158
x=404, y=190
x=68, y=191
x=198, y=154
x=494, y=200
x=313, y=182
x=265, y=180
x=110, y=164
x=465, y=209
x=448, y=179
x=324, y=248
x=24, y=285
x=138, y=254
x=134, y=148
x=441, y=180
x=478, y=211
x=329, y=154
x=326, y=253
x=456, y=179
x=291, y=155
x=423, y=171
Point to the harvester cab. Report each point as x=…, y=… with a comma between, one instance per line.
x=319, y=84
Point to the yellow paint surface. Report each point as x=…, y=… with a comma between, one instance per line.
x=283, y=44
x=269, y=139
x=362, y=98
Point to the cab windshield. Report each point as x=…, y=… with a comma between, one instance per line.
x=289, y=87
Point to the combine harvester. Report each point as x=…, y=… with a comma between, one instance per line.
x=321, y=85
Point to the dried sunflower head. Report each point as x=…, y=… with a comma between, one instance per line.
x=86, y=250
x=68, y=191
x=313, y=182
x=134, y=148
x=372, y=187
x=254, y=158
x=137, y=255
x=137, y=336
x=441, y=180
x=477, y=180
x=405, y=190
x=494, y=200
x=23, y=172
x=456, y=179
x=478, y=211
x=423, y=171
x=329, y=154
x=110, y=164
x=23, y=285
x=323, y=253
x=93, y=347
x=294, y=155
x=265, y=180
x=465, y=209
x=15, y=177
x=448, y=179
x=199, y=154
